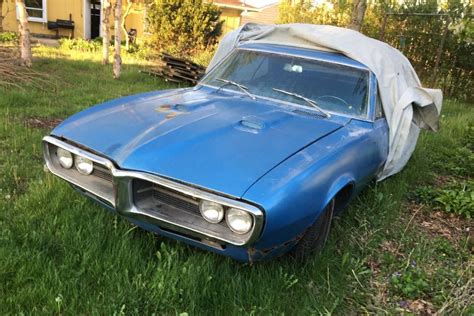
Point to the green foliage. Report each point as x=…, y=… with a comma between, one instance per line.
x=331, y=12
x=204, y=57
x=183, y=28
x=412, y=283
x=6, y=37
x=81, y=45
x=418, y=37
x=457, y=198
x=458, y=161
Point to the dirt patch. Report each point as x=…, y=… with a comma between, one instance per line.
x=436, y=223
x=42, y=122
x=449, y=226
x=441, y=181
x=419, y=307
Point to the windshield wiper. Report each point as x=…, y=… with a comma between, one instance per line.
x=308, y=100
x=238, y=85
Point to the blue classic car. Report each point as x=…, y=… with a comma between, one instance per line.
x=251, y=163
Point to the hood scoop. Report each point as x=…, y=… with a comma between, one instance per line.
x=250, y=126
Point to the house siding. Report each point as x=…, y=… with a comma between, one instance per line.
x=231, y=18
x=55, y=9
x=268, y=15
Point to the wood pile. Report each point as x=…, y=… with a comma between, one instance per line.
x=178, y=70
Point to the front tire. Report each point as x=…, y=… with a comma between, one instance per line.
x=315, y=236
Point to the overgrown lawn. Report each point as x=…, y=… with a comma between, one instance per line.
x=396, y=248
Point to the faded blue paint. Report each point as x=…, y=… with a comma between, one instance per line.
x=260, y=151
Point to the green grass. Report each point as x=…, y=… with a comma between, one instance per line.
x=62, y=254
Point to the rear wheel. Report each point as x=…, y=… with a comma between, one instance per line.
x=315, y=237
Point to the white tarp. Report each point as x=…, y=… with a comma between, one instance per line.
x=407, y=105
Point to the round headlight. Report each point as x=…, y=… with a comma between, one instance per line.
x=240, y=222
x=65, y=158
x=211, y=211
x=84, y=165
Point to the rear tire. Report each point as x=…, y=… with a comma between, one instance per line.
x=315, y=236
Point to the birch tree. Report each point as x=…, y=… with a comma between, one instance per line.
x=25, y=45
x=358, y=13
x=106, y=8
x=118, y=39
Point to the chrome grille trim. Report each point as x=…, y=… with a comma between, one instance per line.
x=121, y=198
x=102, y=172
x=101, y=186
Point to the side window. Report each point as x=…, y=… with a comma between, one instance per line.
x=378, y=107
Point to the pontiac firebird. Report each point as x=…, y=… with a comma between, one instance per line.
x=251, y=163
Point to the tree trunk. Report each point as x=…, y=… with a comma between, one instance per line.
x=25, y=46
x=358, y=13
x=439, y=52
x=106, y=7
x=118, y=39
x=124, y=27
x=1, y=16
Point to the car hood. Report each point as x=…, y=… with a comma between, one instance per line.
x=220, y=142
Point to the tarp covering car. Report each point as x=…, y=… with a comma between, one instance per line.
x=407, y=105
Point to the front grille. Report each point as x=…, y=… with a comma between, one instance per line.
x=102, y=172
x=170, y=198
x=158, y=199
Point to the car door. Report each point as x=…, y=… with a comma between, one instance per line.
x=380, y=129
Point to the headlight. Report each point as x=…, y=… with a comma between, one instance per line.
x=65, y=158
x=84, y=165
x=240, y=222
x=211, y=211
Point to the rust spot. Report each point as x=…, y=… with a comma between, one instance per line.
x=163, y=108
x=261, y=254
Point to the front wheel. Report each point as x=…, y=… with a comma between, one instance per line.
x=315, y=236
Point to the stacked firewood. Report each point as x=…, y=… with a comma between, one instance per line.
x=177, y=70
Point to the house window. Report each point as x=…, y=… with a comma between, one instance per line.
x=36, y=10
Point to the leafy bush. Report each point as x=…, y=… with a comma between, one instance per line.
x=204, y=57
x=306, y=11
x=183, y=28
x=458, y=198
x=6, y=37
x=412, y=283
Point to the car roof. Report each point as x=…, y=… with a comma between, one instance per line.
x=305, y=53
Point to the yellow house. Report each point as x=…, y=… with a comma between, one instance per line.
x=69, y=18
x=238, y=12
x=82, y=18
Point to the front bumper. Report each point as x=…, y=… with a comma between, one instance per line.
x=156, y=203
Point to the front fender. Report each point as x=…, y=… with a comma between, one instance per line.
x=337, y=185
x=295, y=192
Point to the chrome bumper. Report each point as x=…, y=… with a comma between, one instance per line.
x=121, y=193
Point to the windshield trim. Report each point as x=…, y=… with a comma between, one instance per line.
x=365, y=117
x=286, y=104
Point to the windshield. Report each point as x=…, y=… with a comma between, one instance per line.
x=332, y=87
